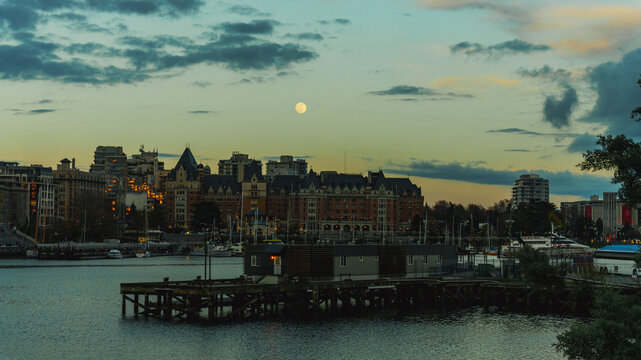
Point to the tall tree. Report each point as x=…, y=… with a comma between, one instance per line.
x=204, y=214
x=622, y=155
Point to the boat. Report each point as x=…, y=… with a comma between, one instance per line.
x=141, y=253
x=114, y=254
x=213, y=251
x=552, y=243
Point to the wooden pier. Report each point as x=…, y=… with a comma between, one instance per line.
x=237, y=299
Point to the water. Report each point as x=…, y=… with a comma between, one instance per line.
x=60, y=312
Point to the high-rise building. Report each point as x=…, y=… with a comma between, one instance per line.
x=530, y=187
x=613, y=212
x=286, y=166
x=144, y=168
x=237, y=165
x=111, y=161
x=38, y=180
x=76, y=190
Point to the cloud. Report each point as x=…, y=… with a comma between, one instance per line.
x=618, y=93
x=254, y=27
x=33, y=58
x=201, y=112
x=339, y=21
x=561, y=182
x=558, y=111
x=245, y=11
x=517, y=131
x=576, y=29
x=306, y=36
x=42, y=111
x=16, y=17
x=79, y=23
x=583, y=143
x=511, y=47
x=545, y=72
x=488, y=80
x=168, y=155
x=408, y=90
x=45, y=101
x=518, y=150
x=201, y=84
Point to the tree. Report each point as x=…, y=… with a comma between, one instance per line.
x=204, y=214
x=599, y=228
x=536, y=268
x=621, y=155
x=614, y=332
x=534, y=217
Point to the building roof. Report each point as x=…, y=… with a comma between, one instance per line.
x=220, y=182
x=188, y=162
x=254, y=168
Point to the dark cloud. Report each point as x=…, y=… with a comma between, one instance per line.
x=617, y=90
x=235, y=46
x=561, y=182
x=618, y=93
x=92, y=48
x=201, y=84
x=244, y=55
x=511, y=47
x=558, y=111
x=408, y=90
x=245, y=11
x=146, y=7
x=339, y=21
x=306, y=36
x=34, y=60
x=517, y=131
x=168, y=155
x=254, y=27
x=517, y=150
x=17, y=17
x=545, y=72
x=583, y=143
x=201, y=112
x=41, y=111
x=45, y=101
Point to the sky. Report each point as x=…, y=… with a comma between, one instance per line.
x=462, y=96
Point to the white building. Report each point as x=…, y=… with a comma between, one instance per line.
x=530, y=187
x=286, y=166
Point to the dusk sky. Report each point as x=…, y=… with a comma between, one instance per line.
x=461, y=95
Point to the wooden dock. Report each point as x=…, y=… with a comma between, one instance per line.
x=238, y=299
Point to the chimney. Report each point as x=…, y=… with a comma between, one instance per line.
x=73, y=163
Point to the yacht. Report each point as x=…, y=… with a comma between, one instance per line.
x=114, y=254
x=543, y=243
x=213, y=251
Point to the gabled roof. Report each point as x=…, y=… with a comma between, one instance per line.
x=346, y=181
x=284, y=182
x=312, y=178
x=401, y=185
x=254, y=168
x=188, y=162
x=220, y=182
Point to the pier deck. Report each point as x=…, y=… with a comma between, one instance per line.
x=237, y=299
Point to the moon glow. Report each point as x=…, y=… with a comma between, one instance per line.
x=300, y=108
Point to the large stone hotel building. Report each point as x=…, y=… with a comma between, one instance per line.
x=314, y=202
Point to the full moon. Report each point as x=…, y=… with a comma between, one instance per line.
x=300, y=108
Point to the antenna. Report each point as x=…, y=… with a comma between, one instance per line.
x=345, y=163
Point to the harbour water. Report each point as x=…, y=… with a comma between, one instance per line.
x=71, y=310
